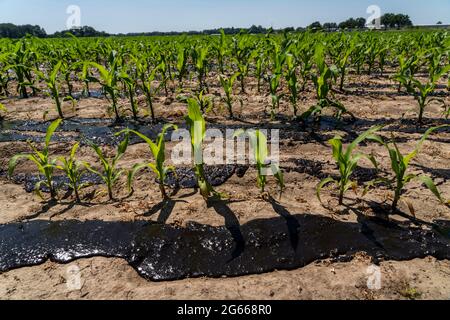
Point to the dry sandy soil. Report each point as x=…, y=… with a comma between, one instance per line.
x=306, y=159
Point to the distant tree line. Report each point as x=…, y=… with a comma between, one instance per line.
x=389, y=20
x=80, y=33
x=9, y=30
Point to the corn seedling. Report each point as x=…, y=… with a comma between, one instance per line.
x=157, y=149
x=259, y=67
x=44, y=163
x=227, y=85
x=18, y=63
x=258, y=143
x=199, y=56
x=408, y=67
x=347, y=161
x=206, y=104
x=111, y=173
x=323, y=82
x=4, y=76
x=221, y=50
x=73, y=170
x=306, y=54
x=66, y=70
x=292, y=81
x=164, y=69
x=278, y=59
x=422, y=92
x=243, y=56
x=181, y=64
x=343, y=61
x=109, y=82
x=52, y=84
x=131, y=88
x=147, y=79
x=197, y=128
x=400, y=164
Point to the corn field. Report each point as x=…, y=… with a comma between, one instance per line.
x=91, y=129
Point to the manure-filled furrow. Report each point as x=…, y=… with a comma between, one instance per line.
x=163, y=252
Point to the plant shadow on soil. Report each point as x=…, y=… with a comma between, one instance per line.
x=162, y=252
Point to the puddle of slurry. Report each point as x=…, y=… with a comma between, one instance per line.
x=215, y=175
x=29, y=181
x=99, y=131
x=185, y=178
x=163, y=252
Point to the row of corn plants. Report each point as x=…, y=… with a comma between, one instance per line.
x=347, y=160
x=284, y=66
x=110, y=172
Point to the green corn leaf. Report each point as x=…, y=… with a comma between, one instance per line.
x=336, y=143
x=413, y=154
x=361, y=138
x=278, y=174
x=394, y=161
x=51, y=130
x=3, y=108
x=130, y=177
x=431, y=186
x=74, y=150
x=13, y=162
x=322, y=184
x=55, y=71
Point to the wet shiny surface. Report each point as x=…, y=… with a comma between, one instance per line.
x=163, y=252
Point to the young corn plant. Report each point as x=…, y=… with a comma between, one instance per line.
x=400, y=164
x=306, y=54
x=111, y=173
x=221, y=50
x=181, y=65
x=199, y=56
x=276, y=96
x=73, y=170
x=147, y=78
x=52, y=84
x=244, y=56
x=131, y=85
x=279, y=58
x=165, y=74
x=347, y=161
x=206, y=104
x=18, y=63
x=227, y=85
x=5, y=78
x=343, y=62
x=422, y=92
x=197, y=128
x=66, y=71
x=259, y=69
x=408, y=67
x=109, y=82
x=157, y=149
x=292, y=81
x=323, y=81
x=86, y=77
x=44, y=163
x=258, y=143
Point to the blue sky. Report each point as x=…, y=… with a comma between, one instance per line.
x=180, y=15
